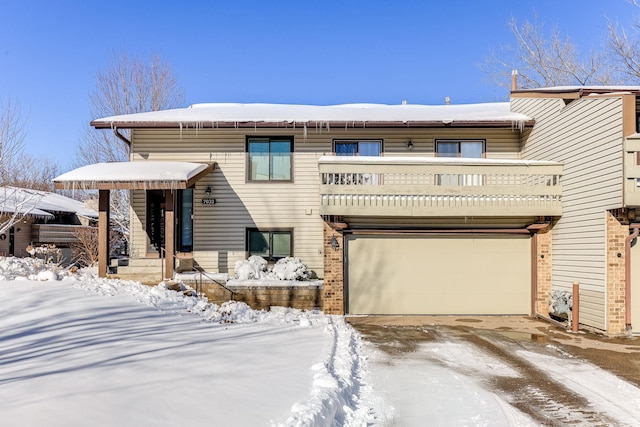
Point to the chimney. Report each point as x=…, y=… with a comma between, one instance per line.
x=514, y=80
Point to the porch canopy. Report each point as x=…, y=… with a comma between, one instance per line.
x=151, y=175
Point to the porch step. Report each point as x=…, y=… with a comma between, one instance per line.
x=145, y=270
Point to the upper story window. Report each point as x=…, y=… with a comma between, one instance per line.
x=269, y=158
x=349, y=147
x=471, y=149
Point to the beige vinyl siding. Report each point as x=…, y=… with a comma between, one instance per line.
x=586, y=135
x=219, y=230
x=137, y=226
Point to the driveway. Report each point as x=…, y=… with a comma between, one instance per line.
x=450, y=370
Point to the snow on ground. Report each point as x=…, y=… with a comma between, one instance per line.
x=83, y=350
x=424, y=393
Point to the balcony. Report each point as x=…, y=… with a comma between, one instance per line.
x=632, y=171
x=437, y=187
x=54, y=233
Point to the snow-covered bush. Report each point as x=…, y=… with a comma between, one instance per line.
x=253, y=268
x=256, y=267
x=50, y=254
x=291, y=268
x=561, y=302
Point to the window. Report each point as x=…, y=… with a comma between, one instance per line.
x=470, y=149
x=269, y=244
x=270, y=158
x=357, y=148
x=458, y=148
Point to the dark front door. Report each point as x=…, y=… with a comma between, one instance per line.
x=155, y=221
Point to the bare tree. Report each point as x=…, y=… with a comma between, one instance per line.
x=544, y=59
x=624, y=49
x=84, y=248
x=128, y=85
x=12, y=136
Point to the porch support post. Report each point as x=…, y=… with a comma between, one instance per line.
x=169, y=221
x=103, y=233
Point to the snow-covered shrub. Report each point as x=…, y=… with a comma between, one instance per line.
x=253, y=268
x=50, y=254
x=256, y=267
x=561, y=302
x=290, y=268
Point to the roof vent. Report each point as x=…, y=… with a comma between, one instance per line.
x=404, y=102
x=447, y=100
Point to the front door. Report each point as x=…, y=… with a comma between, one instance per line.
x=155, y=221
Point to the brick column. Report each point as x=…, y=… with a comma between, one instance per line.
x=543, y=258
x=615, y=294
x=333, y=290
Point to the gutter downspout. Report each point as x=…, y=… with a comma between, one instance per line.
x=121, y=136
x=627, y=274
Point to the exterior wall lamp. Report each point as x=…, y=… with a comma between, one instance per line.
x=409, y=145
x=207, y=192
x=334, y=243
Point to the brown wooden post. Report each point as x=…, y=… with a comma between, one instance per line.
x=169, y=225
x=103, y=233
x=575, y=311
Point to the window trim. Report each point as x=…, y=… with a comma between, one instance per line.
x=248, y=139
x=270, y=258
x=458, y=141
x=336, y=141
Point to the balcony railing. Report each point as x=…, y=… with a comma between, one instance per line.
x=54, y=233
x=425, y=186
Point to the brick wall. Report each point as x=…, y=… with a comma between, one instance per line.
x=543, y=258
x=333, y=292
x=615, y=294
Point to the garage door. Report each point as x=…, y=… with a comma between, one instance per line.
x=482, y=274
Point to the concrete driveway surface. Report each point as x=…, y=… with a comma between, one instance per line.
x=551, y=376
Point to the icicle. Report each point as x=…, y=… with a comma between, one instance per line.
x=180, y=131
x=304, y=132
x=328, y=129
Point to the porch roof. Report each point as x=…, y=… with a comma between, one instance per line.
x=151, y=175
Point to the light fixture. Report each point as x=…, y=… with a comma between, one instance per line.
x=409, y=145
x=334, y=243
x=207, y=192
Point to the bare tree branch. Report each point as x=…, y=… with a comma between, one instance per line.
x=544, y=59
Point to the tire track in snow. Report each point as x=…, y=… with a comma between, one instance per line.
x=536, y=392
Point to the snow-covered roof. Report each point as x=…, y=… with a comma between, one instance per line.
x=134, y=175
x=40, y=203
x=433, y=160
x=356, y=115
x=585, y=89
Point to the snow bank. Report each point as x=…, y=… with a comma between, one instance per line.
x=337, y=381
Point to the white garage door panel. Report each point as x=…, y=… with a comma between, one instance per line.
x=439, y=275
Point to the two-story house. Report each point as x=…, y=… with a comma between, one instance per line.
x=401, y=209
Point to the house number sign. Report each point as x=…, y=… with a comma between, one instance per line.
x=208, y=201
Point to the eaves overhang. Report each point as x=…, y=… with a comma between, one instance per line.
x=311, y=124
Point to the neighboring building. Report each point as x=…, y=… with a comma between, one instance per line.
x=43, y=218
x=403, y=209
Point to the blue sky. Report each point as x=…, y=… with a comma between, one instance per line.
x=310, y=52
